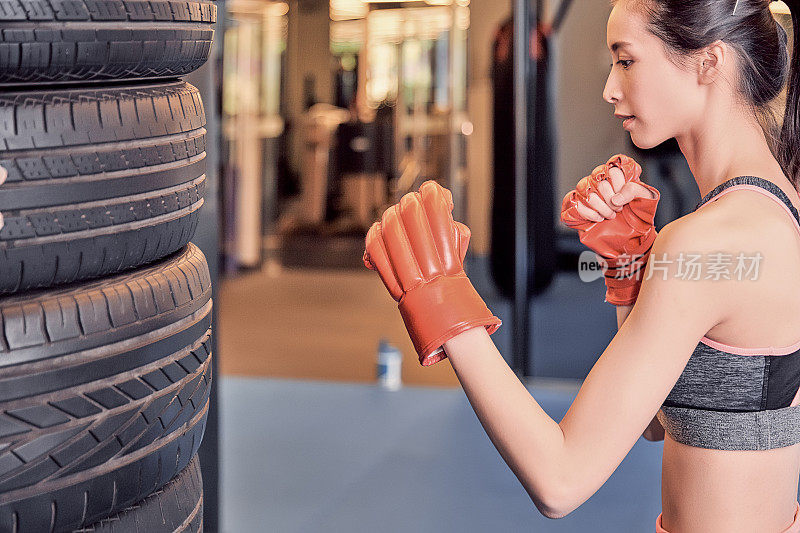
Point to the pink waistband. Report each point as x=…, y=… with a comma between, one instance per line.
x=794, y=527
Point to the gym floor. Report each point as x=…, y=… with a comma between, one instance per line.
x=313, y=324
x=313, y=456
x=310, y=443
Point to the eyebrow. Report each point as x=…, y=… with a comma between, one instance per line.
x=619, y=44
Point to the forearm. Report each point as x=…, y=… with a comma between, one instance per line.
x=654, y=432
x=530, y=442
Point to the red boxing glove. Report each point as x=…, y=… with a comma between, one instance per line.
x=418, y=250
x=623, y=242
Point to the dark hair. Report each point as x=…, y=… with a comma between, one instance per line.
x=761, y=46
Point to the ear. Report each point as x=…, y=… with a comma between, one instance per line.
x=711, y=62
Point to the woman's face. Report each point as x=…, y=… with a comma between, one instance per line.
x=643, y=82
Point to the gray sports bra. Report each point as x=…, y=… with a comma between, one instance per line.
x=730, y=398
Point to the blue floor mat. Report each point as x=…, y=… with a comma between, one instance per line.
x=300, y=456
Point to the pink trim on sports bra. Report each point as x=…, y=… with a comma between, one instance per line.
x=758, y=190
x=771, y=350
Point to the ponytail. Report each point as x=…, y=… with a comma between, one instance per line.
x=788, y=153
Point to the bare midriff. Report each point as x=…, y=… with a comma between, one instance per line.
x=731, y=491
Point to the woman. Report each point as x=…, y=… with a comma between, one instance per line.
x=713, y=358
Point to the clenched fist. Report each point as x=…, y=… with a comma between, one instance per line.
x=418, y=251
x=614, y=214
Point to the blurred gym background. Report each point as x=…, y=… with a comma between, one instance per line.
x=325, y=112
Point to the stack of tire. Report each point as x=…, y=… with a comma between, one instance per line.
x=105, y=305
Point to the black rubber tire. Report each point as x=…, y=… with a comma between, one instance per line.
x=104, y=392
x=99, y=180
x=81, y=40
x=176, y=508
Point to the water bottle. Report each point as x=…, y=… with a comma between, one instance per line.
x=389, y=364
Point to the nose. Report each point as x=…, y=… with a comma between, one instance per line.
x=611, y=92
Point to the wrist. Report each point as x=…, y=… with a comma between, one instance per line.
x=466, y=338
x=438, y=310
x=624, y=291
x=624, y=280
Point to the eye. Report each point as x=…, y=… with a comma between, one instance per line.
x=626, y=63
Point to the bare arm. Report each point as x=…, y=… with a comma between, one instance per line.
x=654, y=432
x=561, y=465
x=530, y=442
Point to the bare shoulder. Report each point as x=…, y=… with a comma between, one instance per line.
x=702, y=232
x=688, y=264
x=745, y=216
x=739, y=222
x=750, y=223
x=743, y=250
